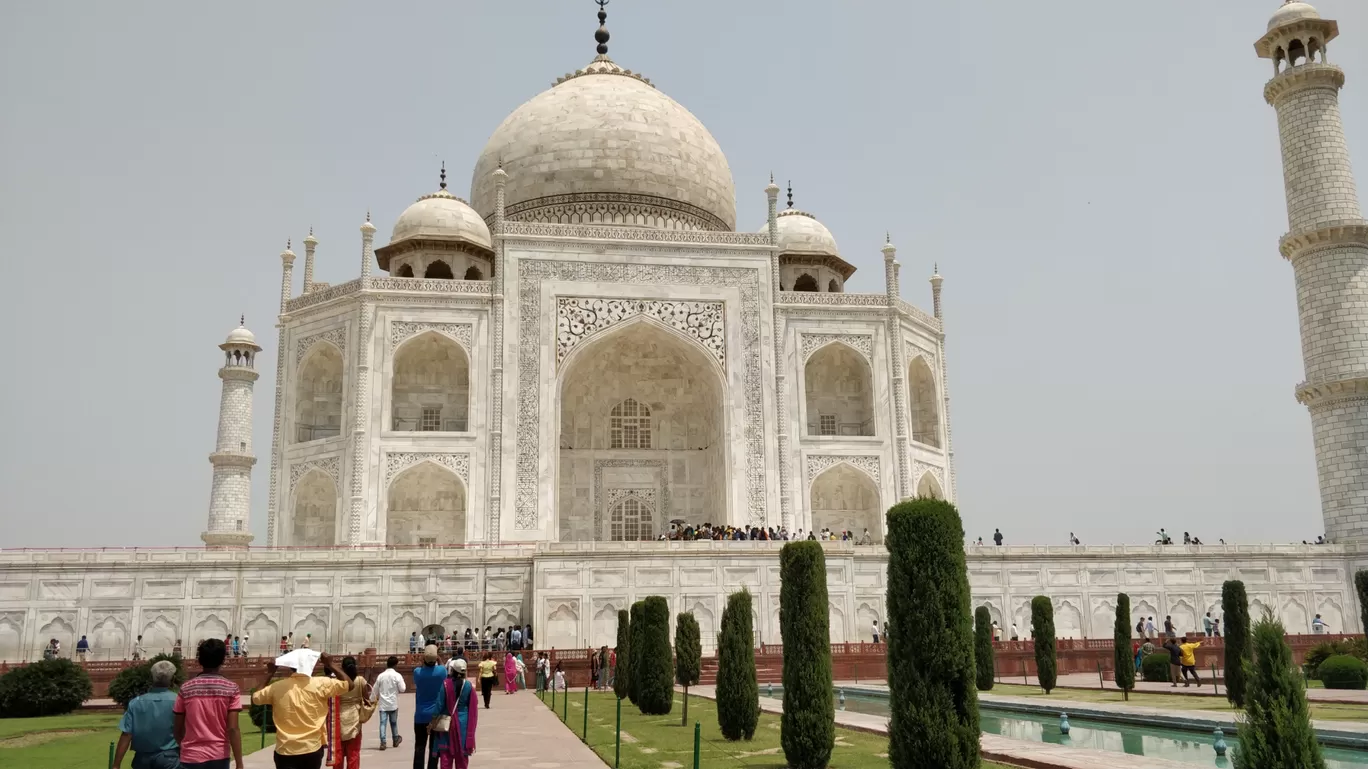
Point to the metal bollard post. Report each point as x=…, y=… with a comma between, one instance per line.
x=565, y=704
x=698, y=734
x=617, y=751
x=1216, y=687
x=586, y=714
x=1100, y=683
x=553, y=696
x=111, y=756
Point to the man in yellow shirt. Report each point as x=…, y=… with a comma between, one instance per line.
x=1190, y=661
x=299, y=706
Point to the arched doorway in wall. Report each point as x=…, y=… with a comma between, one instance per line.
x=640, y=409
x=318, y=394
x=928, y=487
x=314, y=522
x=839, y=390
x=425, y=505
x=844, y=498
x=430, y=389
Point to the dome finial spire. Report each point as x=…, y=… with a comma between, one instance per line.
x=790, y=193
x=443, y=176
x=242, y=320
x=602, y=34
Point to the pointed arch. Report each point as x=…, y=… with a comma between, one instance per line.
x=805, y=282
x=629, y=425
x=473, y=273
x=838, y=386
x=315, y=510
x=439, y=270
x=265, y=630
x=425, y=505
x=11, y=639
x=430, y=385
x=405, y=271
x=209, y=627
x=318, y=393
x=925, y=410
x=632, y=519
x=358, y=633
x=845, y=498
x=1294, y=617
x=928, y=487
x=312, y=625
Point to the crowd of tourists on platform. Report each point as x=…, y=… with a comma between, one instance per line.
x=682, y=531
x=513, y=638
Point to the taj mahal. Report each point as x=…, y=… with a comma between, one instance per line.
x=522, y=389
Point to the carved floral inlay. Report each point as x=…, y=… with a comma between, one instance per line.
x=578, y=318
x=337, y=337
x=330, y=466
x=820, y=463
x=461, y=333
x=399, y=462
x=862, y=343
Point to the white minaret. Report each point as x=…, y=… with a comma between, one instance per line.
x=1327, y=244
x=230, y=500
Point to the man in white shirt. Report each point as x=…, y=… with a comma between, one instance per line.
x=1318, y=625
x=386, y=690
x=1016, y=636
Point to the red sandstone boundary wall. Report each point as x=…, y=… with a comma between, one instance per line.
x=849, y=662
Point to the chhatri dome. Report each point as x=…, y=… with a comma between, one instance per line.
x=1292, y=11
x=441, y=216
x=808, y=256
x=604, y=145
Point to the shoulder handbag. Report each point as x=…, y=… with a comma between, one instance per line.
x=441, y=723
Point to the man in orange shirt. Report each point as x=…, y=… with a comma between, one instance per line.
x=299, y=706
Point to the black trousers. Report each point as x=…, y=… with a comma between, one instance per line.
x=420, y=747
x=486, y=686
x=312, y=760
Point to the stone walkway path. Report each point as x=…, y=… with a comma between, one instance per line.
x=518, y=732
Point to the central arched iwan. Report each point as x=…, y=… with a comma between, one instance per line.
x=641, y=407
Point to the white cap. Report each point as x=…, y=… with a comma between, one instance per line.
x=457, y=664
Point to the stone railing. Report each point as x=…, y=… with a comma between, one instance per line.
x=832, y=300
x=432, y=285
x=268, y=555
x=919, y=315
x=326, y=295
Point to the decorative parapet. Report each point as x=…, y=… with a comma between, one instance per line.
x=319, y=297
x=1295, y=245
x=919, y=315
x=643, y=234
x=833, y=300
x=431, y=285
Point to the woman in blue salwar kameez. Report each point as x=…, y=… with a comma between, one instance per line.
x=456, y=699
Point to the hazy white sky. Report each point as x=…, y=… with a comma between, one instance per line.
x=1100, y=184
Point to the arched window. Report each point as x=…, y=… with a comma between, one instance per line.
x=440, y=270
x=318, y=395
x=474, y=273
x=929, y=488
x=431, y=386
x=630, y=426
x=405, y=272
x=805, y=282
x=1296, y=53
x=925, y=414
x=840, y=392
x=833, y=288
x=631, y=520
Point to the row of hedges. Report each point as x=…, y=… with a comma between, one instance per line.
x=45, y=688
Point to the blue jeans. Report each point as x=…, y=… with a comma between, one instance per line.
x=392, y=716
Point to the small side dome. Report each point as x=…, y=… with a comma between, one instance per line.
x=442, y=216
x=242, y=336
x=1290, y=12
x=801, y=233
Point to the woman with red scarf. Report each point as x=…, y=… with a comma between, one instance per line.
x=456, y=700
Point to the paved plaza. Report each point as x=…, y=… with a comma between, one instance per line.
x=518, y=732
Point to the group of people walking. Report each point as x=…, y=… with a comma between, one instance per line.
x=512, y=638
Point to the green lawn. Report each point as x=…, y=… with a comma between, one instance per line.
x=1172, y=701
x=660, y=742
x=79, y=740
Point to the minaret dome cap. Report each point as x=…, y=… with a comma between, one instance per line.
x=1290, y=12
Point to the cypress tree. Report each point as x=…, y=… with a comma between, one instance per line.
x=808, y=725
x=1043, y=632
x=1361, y=586
x=738, y=694
x=637, y=647
x=653, y=670
x=688, y=656
x=1276, y=731
x=1123, y=662
x=1235, y=605
x=622, y=677
x=983, y=648
x=934, y=718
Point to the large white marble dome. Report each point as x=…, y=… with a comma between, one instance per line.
x=604, y=145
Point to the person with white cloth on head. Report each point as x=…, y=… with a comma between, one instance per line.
x=299, y=705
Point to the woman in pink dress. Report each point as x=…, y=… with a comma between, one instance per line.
x=510, y=673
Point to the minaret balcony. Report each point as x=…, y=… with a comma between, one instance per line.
x=231, y=459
